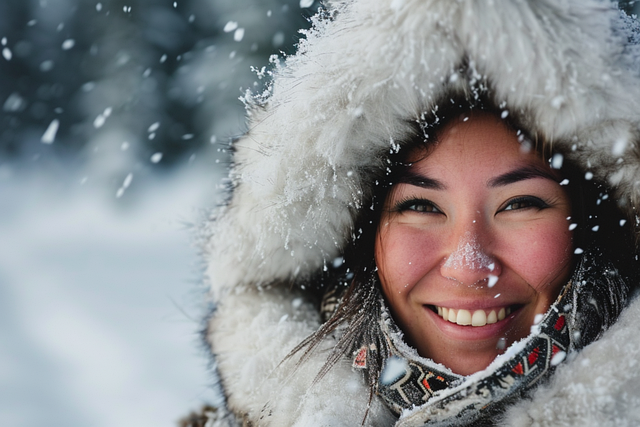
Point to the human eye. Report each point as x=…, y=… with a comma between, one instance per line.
x=417, y=205
x=525, y=202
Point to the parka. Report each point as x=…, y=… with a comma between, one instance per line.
x=319, y=139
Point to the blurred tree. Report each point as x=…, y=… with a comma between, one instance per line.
x=124, y=85
x=120, y=83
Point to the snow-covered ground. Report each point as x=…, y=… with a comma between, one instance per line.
x=101, y=300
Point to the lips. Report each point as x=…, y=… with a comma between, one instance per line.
x=473, y=317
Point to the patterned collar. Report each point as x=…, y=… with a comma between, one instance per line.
x=426, y=393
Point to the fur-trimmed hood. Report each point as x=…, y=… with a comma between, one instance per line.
x=569, y=70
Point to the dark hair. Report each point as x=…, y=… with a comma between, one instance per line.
x=354, y=287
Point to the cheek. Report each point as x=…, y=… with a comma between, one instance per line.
x=403, y=255
x=542, y=254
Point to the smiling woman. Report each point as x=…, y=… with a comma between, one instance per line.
x=457, y=240
x=433, y=221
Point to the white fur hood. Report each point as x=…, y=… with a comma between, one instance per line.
x=321, y=135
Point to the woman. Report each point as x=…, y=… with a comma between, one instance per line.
x=349, y=235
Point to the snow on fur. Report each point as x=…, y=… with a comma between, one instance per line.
x=304, y=166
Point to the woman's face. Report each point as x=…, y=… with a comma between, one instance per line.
x=473, y=243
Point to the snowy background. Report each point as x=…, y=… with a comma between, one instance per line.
x=115, y=117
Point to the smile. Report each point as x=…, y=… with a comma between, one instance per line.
x=473, y=318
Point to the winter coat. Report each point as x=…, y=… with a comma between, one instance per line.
x=318, y=139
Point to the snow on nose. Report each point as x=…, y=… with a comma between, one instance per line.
x=469, y=264
x=469, y=255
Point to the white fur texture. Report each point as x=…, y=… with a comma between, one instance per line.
x=336, y=110
x=600, y=387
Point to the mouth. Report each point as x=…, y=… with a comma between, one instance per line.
x=474, y=317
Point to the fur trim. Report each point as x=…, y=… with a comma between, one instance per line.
x=251, y=334
x=600, y=387
x=345, y=100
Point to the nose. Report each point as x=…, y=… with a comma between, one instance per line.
x=469, y=263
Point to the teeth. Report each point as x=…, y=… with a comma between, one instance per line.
x=464, y=317
x=477, y=318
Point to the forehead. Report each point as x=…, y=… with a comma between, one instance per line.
x=477, y=140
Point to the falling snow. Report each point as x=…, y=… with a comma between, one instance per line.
x=102, y=118
x=68, y=44
x=394, y=368
x=238, y=35
x=230, y=26
x=50, y=134
x=126, y=183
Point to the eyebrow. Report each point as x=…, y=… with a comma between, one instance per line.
x=521, y=174
x=422, y=181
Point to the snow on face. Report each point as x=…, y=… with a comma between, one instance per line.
x=469, y=255
x=473, y=243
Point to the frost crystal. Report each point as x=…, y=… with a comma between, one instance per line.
x=50, y=134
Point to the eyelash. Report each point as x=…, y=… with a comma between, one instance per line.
x=427, y=206
x=530, y=201
x=417, y=205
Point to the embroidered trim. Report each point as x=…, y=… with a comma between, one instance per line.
x=427, y=393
